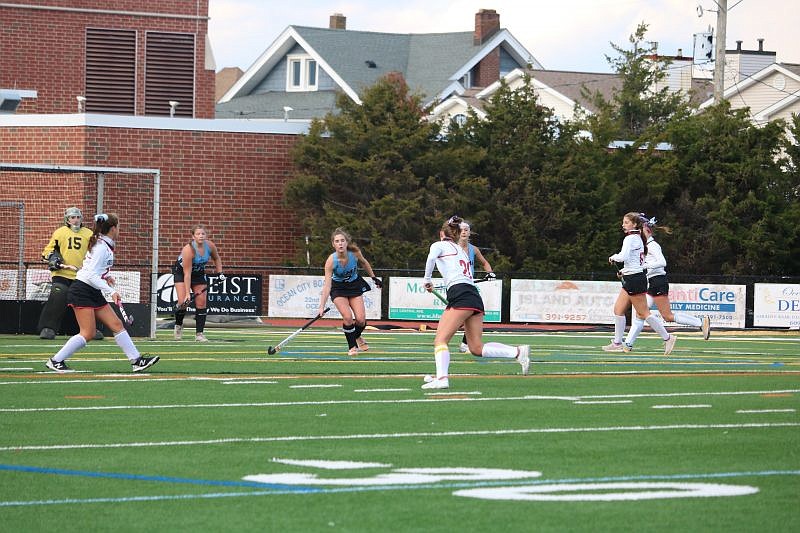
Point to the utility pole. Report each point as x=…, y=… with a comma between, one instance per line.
x=719, y=61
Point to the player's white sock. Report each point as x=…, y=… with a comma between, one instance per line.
x=658, y=326
x=637, y=325
x=687, y=320
x=124, y=341
x=441, y=354
x=619, y=328
x=73, y=344
x=497, y=349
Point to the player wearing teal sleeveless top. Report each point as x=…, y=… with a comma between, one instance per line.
x=473, y=253
x=346, y=288
x=190, y=276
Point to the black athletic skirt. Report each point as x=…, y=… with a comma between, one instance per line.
x=349, y=289
x=658, y=286
x=464, y=296
x=635, y=283
x=84, y=295
x=198, y=278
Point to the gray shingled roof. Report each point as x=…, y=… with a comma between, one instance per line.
x=427, y=61
x=570, y=84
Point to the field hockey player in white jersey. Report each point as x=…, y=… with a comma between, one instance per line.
x=658, y=288
x=634, y=285
x=85, y=296
x=464, y=307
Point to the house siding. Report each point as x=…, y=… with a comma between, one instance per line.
x=275, y=80
x=763, y=94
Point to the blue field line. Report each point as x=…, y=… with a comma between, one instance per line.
x=162, y=479
x=282, y=489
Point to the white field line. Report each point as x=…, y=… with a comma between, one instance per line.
x=688, y=406
x=393, y=401
x=601, y=402
x=381, y=390
x=248, y=382
x=414, y=435
x=317, y=386
x=757, y=411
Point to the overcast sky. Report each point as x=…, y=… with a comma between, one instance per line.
x=561, y=34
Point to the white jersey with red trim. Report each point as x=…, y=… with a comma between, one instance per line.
x=655, y=262
x=97, y=264
x=631, y=255
x=451, y=261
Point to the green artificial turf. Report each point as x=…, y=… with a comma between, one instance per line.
x=354, y=444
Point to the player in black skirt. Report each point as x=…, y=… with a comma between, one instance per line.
x=86, y=297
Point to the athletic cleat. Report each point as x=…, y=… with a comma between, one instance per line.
x=47, y=334
x=143, y=363
x=706, y=327
x=352, y=352
x=58, y=366
x=463, y=348
x=427, y=378
x=200, y=338
x=362, y=344
x=524, y=358
x=98, y=335
x=178, y=333
x=669, y=344
x=627, y=348
x=438, y=383
x=613, y=347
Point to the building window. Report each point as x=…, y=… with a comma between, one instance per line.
x=110, y=77
x=302, y=74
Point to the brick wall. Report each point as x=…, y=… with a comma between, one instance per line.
x=488, y=70
x=229, y=181
x=44, y=49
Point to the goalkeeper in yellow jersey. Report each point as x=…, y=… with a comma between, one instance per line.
x=64, y=256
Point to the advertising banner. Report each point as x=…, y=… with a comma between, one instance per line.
x=776, y=305
x=38, y=281
x=592, y=302
x=237, y=295
x=408, y=299
x=298, y=297
x=563, y=301
x=725, y=304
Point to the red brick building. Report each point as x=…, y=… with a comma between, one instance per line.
x=128, y=60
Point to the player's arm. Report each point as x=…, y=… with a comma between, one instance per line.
x=365, y=263
x=187, y=255
x=215, y=257
x=326, y=286
x=51, y=245
x=479, y=256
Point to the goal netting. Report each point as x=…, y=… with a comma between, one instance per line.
x=32, y=203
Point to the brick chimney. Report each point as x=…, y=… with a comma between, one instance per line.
x=338, y=22
x=487, y=22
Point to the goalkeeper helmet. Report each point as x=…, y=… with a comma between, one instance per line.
x=73, y=212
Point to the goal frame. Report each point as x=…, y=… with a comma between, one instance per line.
x=101, y=172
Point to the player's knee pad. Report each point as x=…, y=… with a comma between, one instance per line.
x=53, y=310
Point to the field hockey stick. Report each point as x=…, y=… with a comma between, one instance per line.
x=125, y=316
x=439, y=295
x=479, y=280
x=272, y=350
x=182, y=306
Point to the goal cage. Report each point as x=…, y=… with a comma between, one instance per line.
x=33, y=198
